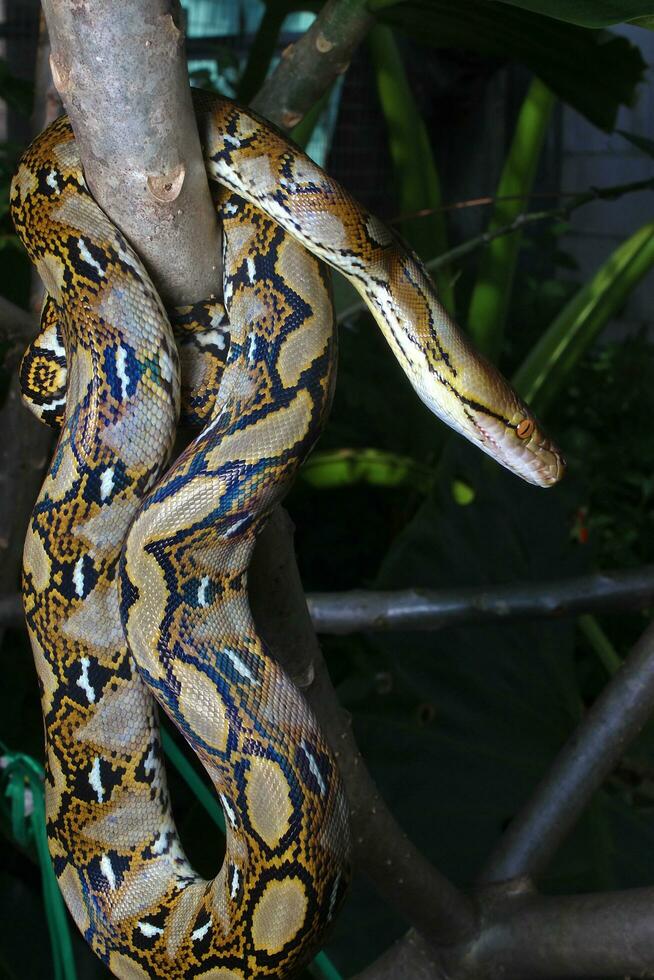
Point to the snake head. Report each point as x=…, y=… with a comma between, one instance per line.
x=516, y=439
x=480, y=404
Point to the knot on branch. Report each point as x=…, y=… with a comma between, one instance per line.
x=167, y=187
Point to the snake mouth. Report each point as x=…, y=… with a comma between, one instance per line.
x=552, y=465
x=539, y=462
x=536, y=460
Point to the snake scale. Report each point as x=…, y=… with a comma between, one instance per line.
x=135, y=577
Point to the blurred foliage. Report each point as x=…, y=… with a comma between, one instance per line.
x=493, y=288
x=607, y=416
x=594, y=71
x=457, y=726
x=544, y=372
x=413, y=159
x=588, y=13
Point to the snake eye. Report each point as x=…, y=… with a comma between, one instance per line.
x=524, y=429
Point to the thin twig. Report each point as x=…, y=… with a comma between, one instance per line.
x=425, y=609
x=491, y=199
x=533, y=217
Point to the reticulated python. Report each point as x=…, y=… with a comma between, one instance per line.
x=106, y=367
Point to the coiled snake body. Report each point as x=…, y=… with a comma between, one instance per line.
x=181, y=612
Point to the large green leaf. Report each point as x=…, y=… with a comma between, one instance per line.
x=594, y=71
x=588, y=13
x=345, y=467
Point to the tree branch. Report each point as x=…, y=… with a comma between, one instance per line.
x=310, y=65
x=136, y=134
x=525, y=936
x=530, y=937
x=411, y=958
x=522, y=936
x=585, y=761
x=424, y=609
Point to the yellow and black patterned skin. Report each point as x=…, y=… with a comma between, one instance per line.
x=135, y=584
x=201, y=333
x=43, y=370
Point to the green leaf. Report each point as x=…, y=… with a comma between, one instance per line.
x=195, y=782
x=462, y=492
x=491, y=296
x=593, y=71
x=546, y=369
x=21, y=777
x=413, y=160
x=323, y=969
x=600, y=643
x=346, y=467
x=588, y=13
